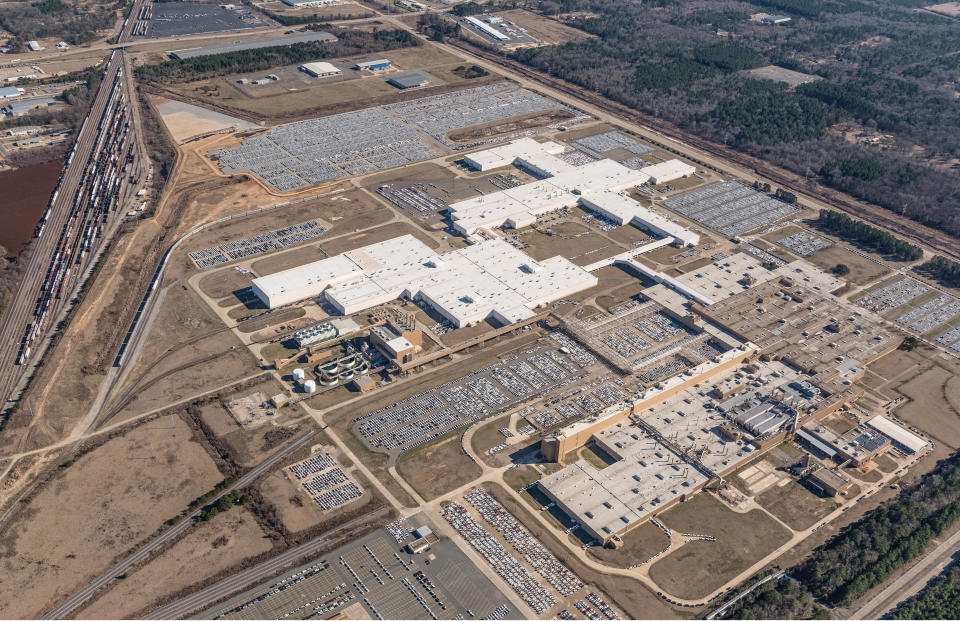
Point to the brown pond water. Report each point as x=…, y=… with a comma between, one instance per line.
x=23, y=197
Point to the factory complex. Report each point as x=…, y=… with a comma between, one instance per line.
x=596, y=186
x=490, y=279
x=785, y=356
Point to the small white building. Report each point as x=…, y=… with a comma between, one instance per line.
x=320, y=69
x=664, y=172
x=34, y=46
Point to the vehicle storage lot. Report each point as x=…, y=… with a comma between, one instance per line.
x=378, y=573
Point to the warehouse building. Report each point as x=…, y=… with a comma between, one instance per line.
x=664, y=172
x=409, y=80
x=257, y=44
x=487, y=29
x=10, y=92
x=320, y=69
x=373, y=65
x=26, y=106
x=595, y=186
x=904, y=441
x=489, y=280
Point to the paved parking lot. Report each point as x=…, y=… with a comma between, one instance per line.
x=377, y=573
x=482, y=393
x=174, y=19
x=730, y=208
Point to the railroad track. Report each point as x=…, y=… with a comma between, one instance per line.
x=915, y=232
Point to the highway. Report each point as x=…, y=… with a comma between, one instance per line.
x=171, y=534
x=910, y=582
x=244, y=579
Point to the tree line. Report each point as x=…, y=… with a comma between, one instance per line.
x=843, y=225
x=867, y=552
x=348, y=43
x=946, y=270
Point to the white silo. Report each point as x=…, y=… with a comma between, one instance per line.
x=309, y=386
x=298, y=374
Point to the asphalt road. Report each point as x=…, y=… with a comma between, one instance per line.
x=910, y=582
x=171, y=534
x=248, y=577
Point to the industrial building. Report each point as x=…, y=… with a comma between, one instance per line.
x=903, y=440
x=373, y=65
x=595, y=186
x=488, y=280
x=409, y=80
x=487, y=28
x=26, y=106
x=828, y=482
x=256, y=44
x=314, y=335
x=10, y=92
x=320, y=69
x=670, y=170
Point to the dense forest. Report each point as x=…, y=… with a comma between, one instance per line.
x=866, y=552
x=879, y=67
x=348, y=43
x=940, y=600
x=56, y=18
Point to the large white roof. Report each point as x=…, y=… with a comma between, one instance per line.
x=466, y=285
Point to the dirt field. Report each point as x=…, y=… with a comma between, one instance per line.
x=797, y=506
x=699, y=567
x=489, y=130
x=862, y=270
x=206, y=550
x=218, y=419
x=223, y=282
x=638, y=545
x=249, y=447
x=435, y=469
x=932, y=406
x=543, y=28
x=205, y=365
x=383, y=233
x=115, y=496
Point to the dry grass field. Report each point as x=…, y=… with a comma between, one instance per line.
x=205, y=550
x=638, y=545
x=862, y=270
x=934, y=404
x=437, y=468
x=98, y=508
x=795, y=505
x=700, y=567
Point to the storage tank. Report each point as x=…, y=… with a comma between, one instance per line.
x=309, y=386
x=298, y=374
